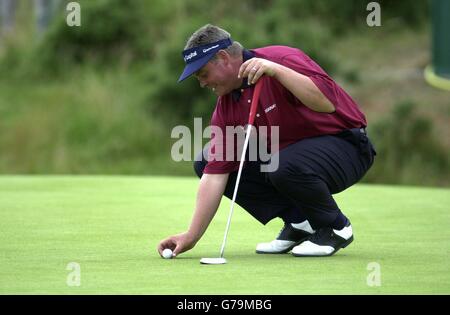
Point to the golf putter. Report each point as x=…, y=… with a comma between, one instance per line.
x=221, y=260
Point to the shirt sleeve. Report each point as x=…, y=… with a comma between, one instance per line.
x=301, y=63
x=345, y=106
x=217, y=155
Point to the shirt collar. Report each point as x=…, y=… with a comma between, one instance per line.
x=236, y=94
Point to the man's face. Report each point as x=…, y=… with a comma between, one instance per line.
x=218, y=75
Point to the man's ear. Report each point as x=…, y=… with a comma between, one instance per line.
x=224, y=56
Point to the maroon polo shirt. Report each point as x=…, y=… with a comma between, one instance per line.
x=279, y=107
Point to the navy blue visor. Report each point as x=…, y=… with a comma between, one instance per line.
x=197, y=57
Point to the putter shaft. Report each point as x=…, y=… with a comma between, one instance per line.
x=241, y=164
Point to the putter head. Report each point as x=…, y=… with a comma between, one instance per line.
x=213, y=261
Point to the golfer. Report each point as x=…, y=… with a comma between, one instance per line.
x=323, y=144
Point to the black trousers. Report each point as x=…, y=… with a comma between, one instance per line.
x=310, y=171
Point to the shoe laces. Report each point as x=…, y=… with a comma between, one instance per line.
x=320, y=233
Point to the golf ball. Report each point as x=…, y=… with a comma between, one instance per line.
x=167, y=253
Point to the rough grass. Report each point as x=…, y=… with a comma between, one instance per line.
x=111, y=226
x=387, y=68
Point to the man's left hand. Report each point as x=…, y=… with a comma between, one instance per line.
x=254, y=68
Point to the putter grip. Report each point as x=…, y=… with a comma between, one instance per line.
x=255, y=99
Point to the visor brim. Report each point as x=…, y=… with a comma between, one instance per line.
x=193, y=67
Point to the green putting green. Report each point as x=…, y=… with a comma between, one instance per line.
x=109, y=227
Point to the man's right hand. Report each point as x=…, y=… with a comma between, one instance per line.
x=209, y=194
x=178, y=243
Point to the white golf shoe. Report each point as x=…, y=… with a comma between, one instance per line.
x=325, y=242
x=291, y=235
